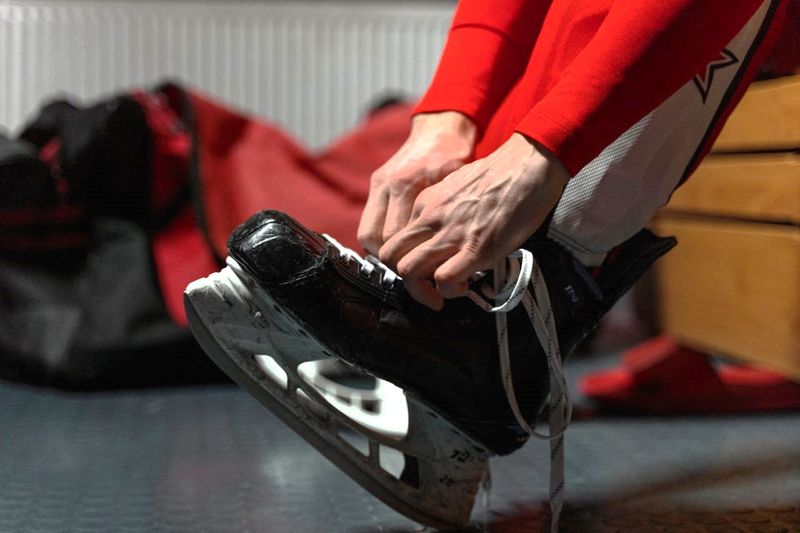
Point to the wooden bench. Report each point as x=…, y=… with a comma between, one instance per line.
x=732, y=286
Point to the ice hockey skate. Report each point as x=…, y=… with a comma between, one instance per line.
x=473, y=382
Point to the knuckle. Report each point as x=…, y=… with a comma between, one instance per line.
x=387, y=260
x=476, y=245
x=432, y=172
x=405, y=270
x=406, y=183
x=422, y=201
x=424, y=196
x=368, y=239
x=387, y=234
x=378, y=178
x=444, y=277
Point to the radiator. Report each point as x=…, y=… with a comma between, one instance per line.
x=312, y=67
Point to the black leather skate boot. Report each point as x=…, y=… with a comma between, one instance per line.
x=299, y=291
x=447, y=358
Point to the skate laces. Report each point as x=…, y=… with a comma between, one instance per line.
x=366, y=266
x=524, y=282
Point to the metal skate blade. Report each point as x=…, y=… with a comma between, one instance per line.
x=379, y=406
x=431, y=472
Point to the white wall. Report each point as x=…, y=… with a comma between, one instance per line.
x=310, y=66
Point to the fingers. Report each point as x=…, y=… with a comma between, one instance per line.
x=370, y=227
x=401, y=202
x=422, y=261
x=403, y=242
x=423, y=291
x=405, y=193
x=453, y=275
x=418, y=257
x=431, y=272
x=388, y=209
x=417, y=267
x=393, y=198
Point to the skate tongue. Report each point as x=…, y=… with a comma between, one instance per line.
x=511, y=288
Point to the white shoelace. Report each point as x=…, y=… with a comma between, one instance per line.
x=524, y=271
x=366, y=265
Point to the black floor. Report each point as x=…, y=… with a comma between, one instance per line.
x=212, y=459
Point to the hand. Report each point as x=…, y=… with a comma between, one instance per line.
x=474, y=218
x=438, y=144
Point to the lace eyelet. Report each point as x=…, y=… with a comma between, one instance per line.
x=369, y=268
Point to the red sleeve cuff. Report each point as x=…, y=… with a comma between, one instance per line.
x=563, y=139
x=466, y=100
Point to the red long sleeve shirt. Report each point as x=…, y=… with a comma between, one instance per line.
x=575, y=74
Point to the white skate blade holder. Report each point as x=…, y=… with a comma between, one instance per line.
x=390, y=443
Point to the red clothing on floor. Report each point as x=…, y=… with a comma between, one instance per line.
x=247, y=165
x=575, y=74
x=243, y=165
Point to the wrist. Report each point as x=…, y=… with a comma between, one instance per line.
x=446, y=122
x=555, y=169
